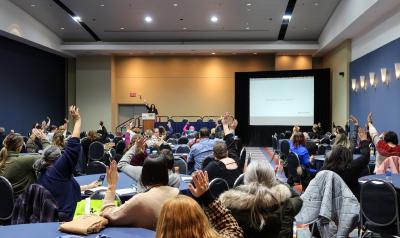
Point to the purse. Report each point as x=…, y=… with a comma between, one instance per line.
x=84, y=225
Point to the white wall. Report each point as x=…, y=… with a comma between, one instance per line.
x=93, y=91
x=385, y=32
x=21, y=26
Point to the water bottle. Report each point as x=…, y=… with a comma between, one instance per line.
x=371, y=150
x=388, y=175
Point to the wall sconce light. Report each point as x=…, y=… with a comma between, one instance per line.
x=354, y=85
x=363, y=83
x=397, y=70
x=372, y=80
x=384, y=76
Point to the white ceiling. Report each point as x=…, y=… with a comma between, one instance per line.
x=263, y=18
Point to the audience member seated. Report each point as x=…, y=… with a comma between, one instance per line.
x=388, y=146
x=342, y=139
x=341, y=162
x=92, y=136
x=50, y=134
x=124, y=165
x=140, y=151
x=37, y=141
x=222, y=166
x=2, y=136
x=55, y=171
x=201, y=150
x=297, y=146
x=15, y=167
x=103, y=132
x=170, y=129
x=182, y=217
x=154, y=138
x=143, y=209
x=186, y=131
x=263, y=207
x=58, y=140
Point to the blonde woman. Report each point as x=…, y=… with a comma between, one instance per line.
x=182, y=217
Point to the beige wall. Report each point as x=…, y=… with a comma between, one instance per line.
x=293, y=62
x=338, y=60
x=183, y=85
x=93, y=90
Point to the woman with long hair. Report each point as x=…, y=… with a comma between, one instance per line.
x=143, y=209
x=17, y=169
x=341, y=162
x=298, y=146
x=263, y=206
x=182, y=217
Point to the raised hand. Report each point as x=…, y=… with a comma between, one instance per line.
x=200, y=180
x=369, y=119
x=141, y=143
x=354, y=120
x=112, y=175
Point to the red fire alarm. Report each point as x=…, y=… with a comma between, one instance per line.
x=131, y=94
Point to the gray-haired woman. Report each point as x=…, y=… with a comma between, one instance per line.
x=263, y=206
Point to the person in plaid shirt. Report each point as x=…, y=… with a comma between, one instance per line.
x=182, y=217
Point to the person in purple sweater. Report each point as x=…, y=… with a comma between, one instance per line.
x=56, y=169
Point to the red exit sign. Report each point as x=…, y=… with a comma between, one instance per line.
x=132, y=94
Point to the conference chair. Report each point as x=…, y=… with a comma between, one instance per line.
x=183, y=141
x=96, y=151
x=96, y=167
x=284, y=149
x=6, y=201
x=321, y=150
x=379, y=207
x=239, y=181
x=290, y=166
x=182, y=149
x=120, y=147
x=181, y=163
x=242, y=158
x=117, y=139
x=206, y=161
x=217, y=186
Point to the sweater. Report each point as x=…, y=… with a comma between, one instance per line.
x=217, y=169
x=18, y=170
x=59, y=180
x=142, y=210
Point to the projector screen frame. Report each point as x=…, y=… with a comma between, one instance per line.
x=261, y=135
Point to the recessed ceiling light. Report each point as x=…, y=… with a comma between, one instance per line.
x=148, y=19
x=102, y=5
x=184, y=28
x=254, y=53
x=213, y=53
x=214, y=18
x=248, y=4
x=62, y=28
x=175, y=4
x=122, y=28
x=33, y=5
x=77, y=18
x=247, y=28
x=316, y=4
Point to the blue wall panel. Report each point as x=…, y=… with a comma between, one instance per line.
x=383, y=101
x=32, y=86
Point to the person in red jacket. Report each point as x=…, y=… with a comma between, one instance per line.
x=388, y=146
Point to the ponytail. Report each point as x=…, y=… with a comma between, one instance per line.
x=12, y=142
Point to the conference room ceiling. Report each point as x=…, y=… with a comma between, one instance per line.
x=181, y=20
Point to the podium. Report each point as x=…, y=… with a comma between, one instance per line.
x=148, y=121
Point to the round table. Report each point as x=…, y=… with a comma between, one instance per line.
x=50, y=230
x=320, y=159
x=394, y=179
x=124, y=181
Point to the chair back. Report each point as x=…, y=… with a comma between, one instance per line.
x=321, y=150
x=183, y=141
x=183, y=149
x=120, y=147
x=379, y=203
x=206, y=161
x=291, y=164
x=6, y=199
x=217, y=186
x=117, y=139
x=96, y=167
x=239, y=181
x=96, y=151
x=242, y=158
x=181, y=163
